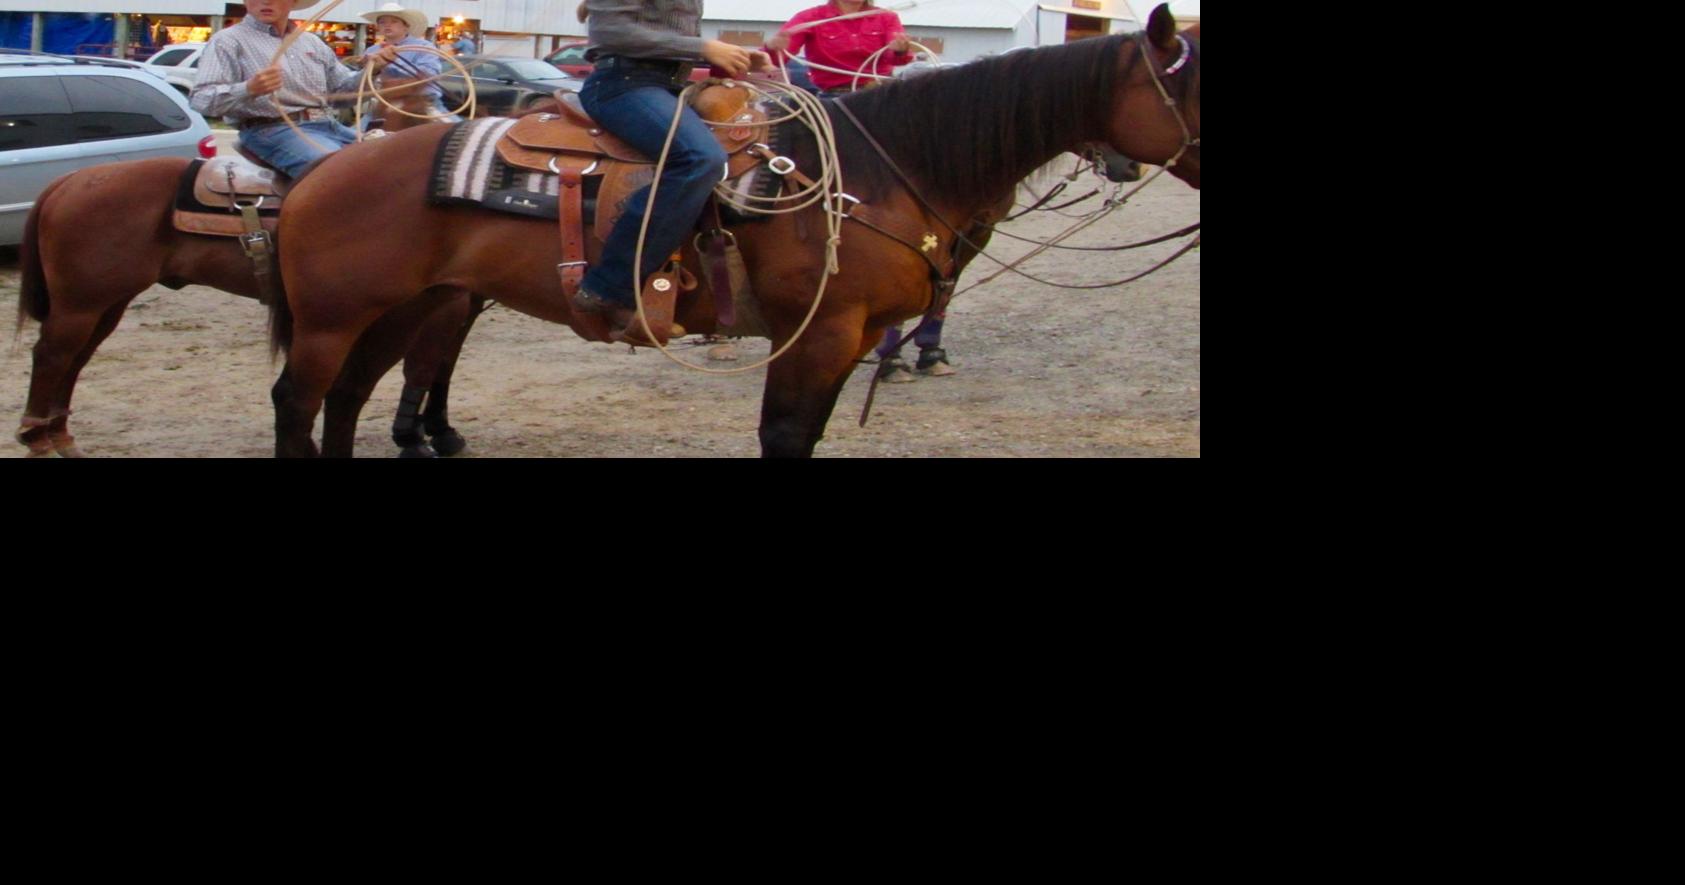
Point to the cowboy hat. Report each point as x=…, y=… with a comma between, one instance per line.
x=415, y=18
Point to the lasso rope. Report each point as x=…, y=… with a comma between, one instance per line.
x=812, y=114
x=286, y=43
x=297, y=32
x=366, y=85
x=876, y=10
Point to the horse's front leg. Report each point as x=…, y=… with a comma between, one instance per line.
x=802, y=385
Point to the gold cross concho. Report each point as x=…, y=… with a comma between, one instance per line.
x=929, y=243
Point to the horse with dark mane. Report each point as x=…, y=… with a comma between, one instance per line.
x=961, y=139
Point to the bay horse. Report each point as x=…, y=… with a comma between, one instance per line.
x=964, y=136
x=99, y=236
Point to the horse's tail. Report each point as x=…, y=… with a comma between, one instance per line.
x=280, y=315
x=33, y=300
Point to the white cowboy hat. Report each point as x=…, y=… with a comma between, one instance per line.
x=415, y=18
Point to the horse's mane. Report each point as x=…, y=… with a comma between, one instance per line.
x=976, y=130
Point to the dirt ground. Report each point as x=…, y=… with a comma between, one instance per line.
x=1042, y=372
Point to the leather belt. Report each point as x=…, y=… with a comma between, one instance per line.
x=307, y=115
x=678, y=72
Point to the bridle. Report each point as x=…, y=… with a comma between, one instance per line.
x=1187, y=53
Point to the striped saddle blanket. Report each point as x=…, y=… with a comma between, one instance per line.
x=468, y=171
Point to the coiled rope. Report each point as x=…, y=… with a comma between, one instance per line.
x=811, y=113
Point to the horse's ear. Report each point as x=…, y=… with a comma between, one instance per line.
x=1161, y=27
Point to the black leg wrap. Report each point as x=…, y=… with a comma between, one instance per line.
x=446, y=441
x=406, y=429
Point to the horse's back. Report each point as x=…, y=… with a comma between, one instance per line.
x=111, y=202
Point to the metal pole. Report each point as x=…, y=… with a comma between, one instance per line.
x=37, y=24
x=120, y=36
x=217, y=23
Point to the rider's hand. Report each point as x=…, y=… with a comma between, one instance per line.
x=265, y=81
x=385, y=55
x=734, y=60
x=779, y=42
x=760, y=61
x=901, y=43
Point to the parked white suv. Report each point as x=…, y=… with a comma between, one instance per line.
x=178, y=64
x=60, y=113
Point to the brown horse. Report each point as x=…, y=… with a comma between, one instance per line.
x=99, y=236
x=964, y=136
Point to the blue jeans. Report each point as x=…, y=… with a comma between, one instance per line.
x=638, y=107
x=281, y=147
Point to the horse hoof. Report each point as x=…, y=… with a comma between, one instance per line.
x=723, y=353
x=894, y=371
x=419, y=450
x=449, y=443
x=933, y=361
x=70, y=452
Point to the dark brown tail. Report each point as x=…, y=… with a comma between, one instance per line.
x=33, y=300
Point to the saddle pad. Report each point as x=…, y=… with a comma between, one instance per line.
x=467, y=171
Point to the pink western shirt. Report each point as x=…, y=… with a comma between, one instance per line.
x=845, y=44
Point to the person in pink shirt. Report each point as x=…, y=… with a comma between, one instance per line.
x=844, y=44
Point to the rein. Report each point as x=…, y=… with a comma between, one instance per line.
x=906, y=182
x=961, y=237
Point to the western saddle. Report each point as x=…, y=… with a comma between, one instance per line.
x=568, y=144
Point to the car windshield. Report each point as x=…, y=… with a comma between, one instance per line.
x=531, y=69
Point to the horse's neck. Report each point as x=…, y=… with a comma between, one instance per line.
x=983, y=115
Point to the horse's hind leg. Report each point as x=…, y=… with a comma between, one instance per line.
x=357, y=379
x=313, y=364
x=436, y=419
x=68, y=340
x=376, y=351
x=390, y=338
x=428, y=359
